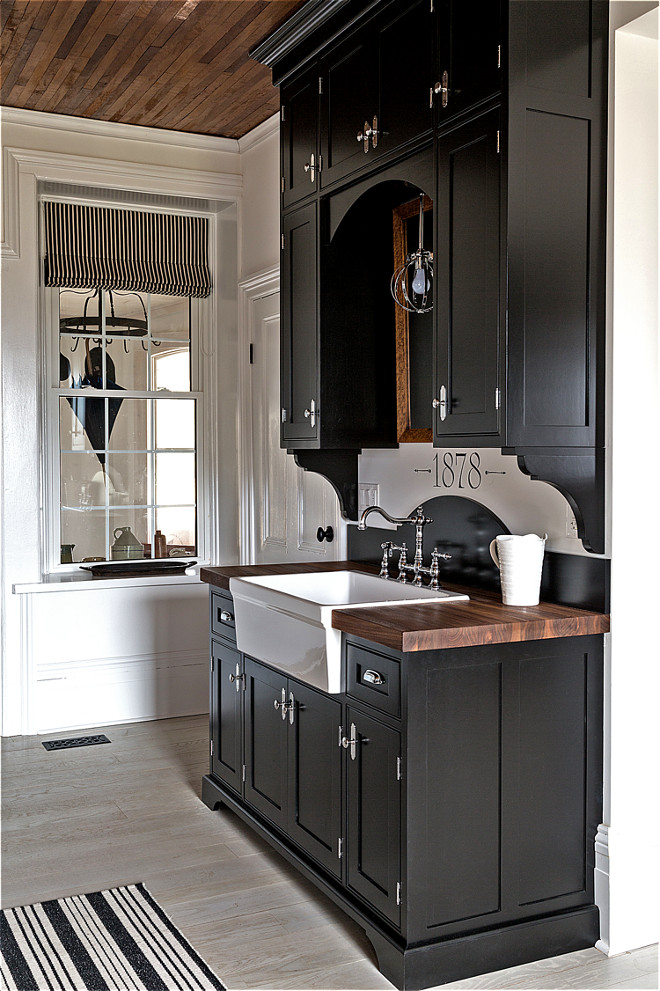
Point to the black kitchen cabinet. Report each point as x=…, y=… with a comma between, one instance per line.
x=470, y=51
x=373, y=838
x=376, y=91
x=468, y=306
x=293, y=761
x=266, y=741
x=448, y=800
x=527, y=376
x=299, y=115
x=299, y=349
x=315, y=772
x=227, y=714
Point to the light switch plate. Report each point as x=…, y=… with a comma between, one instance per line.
x=368, y=495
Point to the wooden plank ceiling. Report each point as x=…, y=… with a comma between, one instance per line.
x=176, y=64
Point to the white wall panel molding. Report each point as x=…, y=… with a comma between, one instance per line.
x=111, y=129
x=102, y=691
x=9, y=222
x=261, y=284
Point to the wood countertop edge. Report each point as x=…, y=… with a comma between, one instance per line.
x=415, y=631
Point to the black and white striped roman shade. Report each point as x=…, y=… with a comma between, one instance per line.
x=99, y=247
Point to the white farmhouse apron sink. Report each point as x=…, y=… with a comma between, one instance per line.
x=286, y=620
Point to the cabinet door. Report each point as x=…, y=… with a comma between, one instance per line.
x=349, y=101
x=227, y=714
x=300, y=108
x=315, y=775
x=405, y=46
x=469, y=52
x=265, y=741
x=467, y=283
x=299, y=328
x=373, y=842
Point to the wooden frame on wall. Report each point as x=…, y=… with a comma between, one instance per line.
x=405, y=433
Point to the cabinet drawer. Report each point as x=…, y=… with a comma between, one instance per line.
x=373, y=678
x=223, y=623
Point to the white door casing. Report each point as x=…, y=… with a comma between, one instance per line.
x=281, y=506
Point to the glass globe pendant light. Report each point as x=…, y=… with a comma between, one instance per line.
x=410, y=284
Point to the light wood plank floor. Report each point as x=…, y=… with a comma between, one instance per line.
x=82, y=820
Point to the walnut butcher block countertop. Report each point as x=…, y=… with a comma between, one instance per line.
x=482, y=620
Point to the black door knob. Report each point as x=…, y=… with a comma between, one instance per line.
x=327, y=534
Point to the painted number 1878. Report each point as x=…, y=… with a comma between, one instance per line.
x=460, y=470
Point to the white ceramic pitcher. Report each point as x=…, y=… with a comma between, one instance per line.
x=520, y=560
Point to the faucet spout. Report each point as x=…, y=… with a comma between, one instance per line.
x=398, y=521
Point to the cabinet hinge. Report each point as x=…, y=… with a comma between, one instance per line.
x=244, y=767
x=211, y=748
x=283, y=415
x=212, y=663
x=498, y=142
x=283, y=236
x=499, y=56
x=339, y=735
x=398, y=892
x=282, y=115
x=498, y=399
x=398, y=769
x=319, y=165
x=282, y=184
x=340, y=848
x=251, y=354
x=320, y=85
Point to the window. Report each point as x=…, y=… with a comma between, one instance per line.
x=123, y=423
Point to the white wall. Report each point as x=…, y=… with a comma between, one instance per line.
x=628, y=849
x=143, y=670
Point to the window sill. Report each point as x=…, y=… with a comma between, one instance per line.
x=74, y=582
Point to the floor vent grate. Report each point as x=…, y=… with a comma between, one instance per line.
x=75, y=741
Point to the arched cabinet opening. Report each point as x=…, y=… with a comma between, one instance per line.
x=385, y=351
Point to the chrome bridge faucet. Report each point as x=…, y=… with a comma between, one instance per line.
x=419, y=521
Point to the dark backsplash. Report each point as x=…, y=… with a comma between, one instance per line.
x=464, y=528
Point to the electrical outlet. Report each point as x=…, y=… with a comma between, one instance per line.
x=571, y=523
x=367, y=495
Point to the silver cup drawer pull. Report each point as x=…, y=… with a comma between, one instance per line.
x=226, y=617
x=373, y=678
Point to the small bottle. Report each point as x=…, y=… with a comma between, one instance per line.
x=160, y=544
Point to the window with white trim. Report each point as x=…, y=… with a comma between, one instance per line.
x=123, y=423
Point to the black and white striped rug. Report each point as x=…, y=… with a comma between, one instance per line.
x=116, y=940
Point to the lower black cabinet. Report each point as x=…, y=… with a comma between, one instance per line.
x=227, y=714
x=453, y=815
x=293, y=760
x=373, y=841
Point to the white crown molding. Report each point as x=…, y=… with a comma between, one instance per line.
x=108, y=173
x=259, y=133
x=112, y=129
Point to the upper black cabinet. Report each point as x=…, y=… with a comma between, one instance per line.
x=519, y=215
x=376, y=91
x=470, y=51
x=299, y=139
x=299, y=351
x=468, y=302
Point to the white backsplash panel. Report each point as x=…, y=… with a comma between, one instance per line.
x=413, y=473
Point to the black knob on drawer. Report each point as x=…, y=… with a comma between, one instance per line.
x=327, y=534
